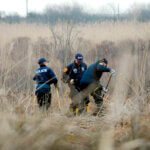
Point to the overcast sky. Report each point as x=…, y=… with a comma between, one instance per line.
x=19, y=6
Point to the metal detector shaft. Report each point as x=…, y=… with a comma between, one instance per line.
x=107, y=84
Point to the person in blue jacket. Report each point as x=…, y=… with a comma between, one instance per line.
x=44, y=77
x=90, y=81
x=72, y=75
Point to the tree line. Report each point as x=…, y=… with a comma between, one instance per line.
x=76, y=14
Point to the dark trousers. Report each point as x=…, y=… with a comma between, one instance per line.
x=97, y=95
x=44, y=100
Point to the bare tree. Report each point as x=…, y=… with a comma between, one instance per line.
x=64, y=40
x=115, y=10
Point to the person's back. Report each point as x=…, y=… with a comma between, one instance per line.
x=44, y=77
x=94, y=73
x=89, y=75
x=42, y=74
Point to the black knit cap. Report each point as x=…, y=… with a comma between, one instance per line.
x=105, y=60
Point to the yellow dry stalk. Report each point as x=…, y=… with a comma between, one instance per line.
x=77, y=111
x=87, y=108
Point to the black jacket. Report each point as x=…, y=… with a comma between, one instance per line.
x=74, y=71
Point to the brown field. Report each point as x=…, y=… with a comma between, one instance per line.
x=125, y=124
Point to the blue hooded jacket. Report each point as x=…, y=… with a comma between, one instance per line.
x=93, y=74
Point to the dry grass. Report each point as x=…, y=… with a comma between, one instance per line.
x=126, y=121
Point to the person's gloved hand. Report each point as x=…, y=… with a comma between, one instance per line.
x=112, y=71
x=72, y=81
x=104, y=90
